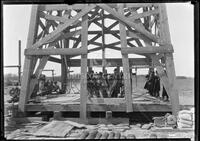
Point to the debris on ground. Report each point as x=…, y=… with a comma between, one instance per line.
x=161, y=127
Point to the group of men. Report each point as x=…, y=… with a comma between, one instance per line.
x=153, y=86
x=45, y=87
x=105, y=85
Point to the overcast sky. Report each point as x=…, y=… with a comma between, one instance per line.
x=180, y=17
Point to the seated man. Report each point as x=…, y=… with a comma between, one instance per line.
x=48, y=87
x=39, y=88
x=56, y=88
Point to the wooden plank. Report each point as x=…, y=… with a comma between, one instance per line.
x=57, y=51
x=147, y=50
x=29, y=64
x=127, y=83
x=75, y=107
x=125, y=20
x=95, y=121
x=84, y=93
x=165, y=37
x=62, y=27
x=111, y=101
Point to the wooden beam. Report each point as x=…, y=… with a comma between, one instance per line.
x=113, y=25
x=103, y=42
x=57, y=51
x=42, y=64
x=64, y=58
x=77, y=42
x=84, y=93
x=62, y=27
x=125, y=20
x=75, y=107
x=165, y=37
x=144, y=14
x=70, y=34
x=117, y=43
x=63, y=35
x=113, y=47
x=127, y=83
x=133, y=5
x=94, y=49
x=51, y=7
x=147, y=50
x=29, y=63
x=45, y=29
x=96, y=43
x=94, y=38
x=54, y=59
x=130, y=44
x=109, y=62
x=52, y=17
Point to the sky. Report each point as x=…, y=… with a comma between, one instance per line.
x=181, y=24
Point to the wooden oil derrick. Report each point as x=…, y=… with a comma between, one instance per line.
x=143, y=30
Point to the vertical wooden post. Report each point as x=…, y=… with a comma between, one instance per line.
x=131, y=78
x=19, y=68
x=103, y=44
x=29, y=63
x=84, y=93
x=170, y=69
x=136, y=77
x=66, y=58
x=125, y=61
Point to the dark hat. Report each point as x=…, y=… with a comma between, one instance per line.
x=42, y=77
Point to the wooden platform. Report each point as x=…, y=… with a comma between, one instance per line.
x=71, y=103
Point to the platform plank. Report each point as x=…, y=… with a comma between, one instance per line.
x=95, y=121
